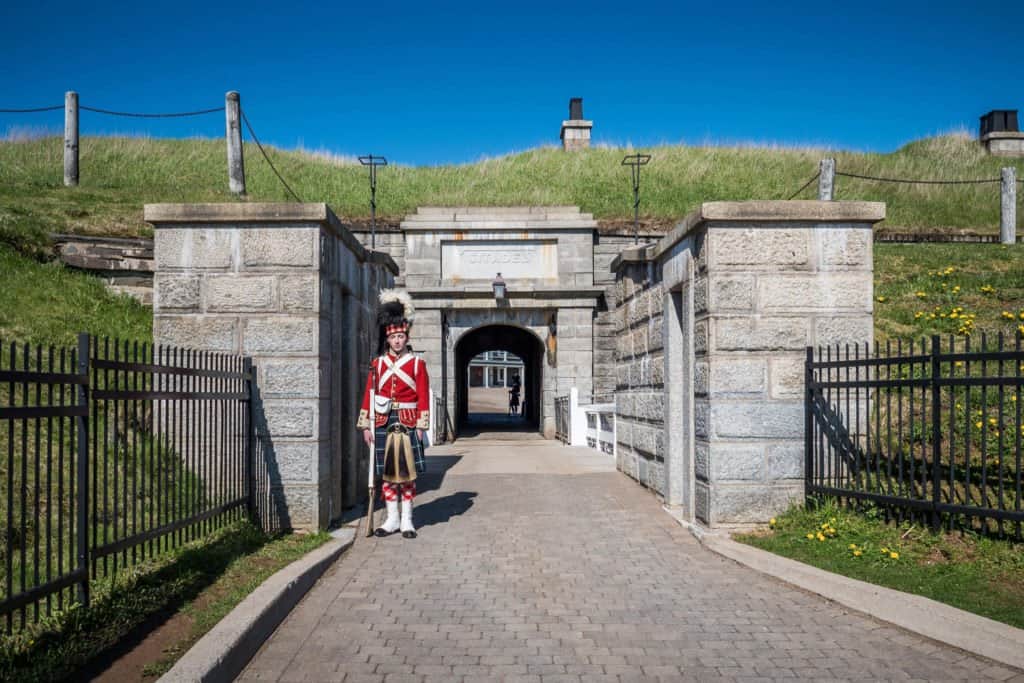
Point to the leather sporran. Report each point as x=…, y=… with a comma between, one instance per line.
x=399, y=461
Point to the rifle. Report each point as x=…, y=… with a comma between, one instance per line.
x=372, y=469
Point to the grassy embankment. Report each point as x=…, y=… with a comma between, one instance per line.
x=46, y=303
x=980, y=575
x=119, y=175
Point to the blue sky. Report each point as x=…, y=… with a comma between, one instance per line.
x=427, y=83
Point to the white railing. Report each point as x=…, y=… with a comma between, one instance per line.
x=591, y=424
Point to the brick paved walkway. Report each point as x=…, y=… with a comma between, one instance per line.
x=536, y=562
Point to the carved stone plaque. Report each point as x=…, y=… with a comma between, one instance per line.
x=514, y=259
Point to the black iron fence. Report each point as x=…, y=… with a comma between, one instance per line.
x=929, y=430
x=110, y=454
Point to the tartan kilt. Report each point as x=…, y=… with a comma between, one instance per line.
x=380, y=439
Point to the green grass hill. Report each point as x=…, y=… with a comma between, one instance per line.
x=120, y=174
x=47, y=303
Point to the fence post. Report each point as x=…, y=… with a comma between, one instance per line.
x=1008, y=206
x=250, y=441
x=808, y=424
x=936, y=433
x=236, y=164
x=82, y=453
x=71, y=139
x=826, y=179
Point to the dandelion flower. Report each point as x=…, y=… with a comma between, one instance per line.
x=810, y=537
x=894, y=555
x=857, y=553
x=852, y=546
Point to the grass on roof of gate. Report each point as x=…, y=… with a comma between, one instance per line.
x=976, y=574
x=120, y=174
x=216, y=572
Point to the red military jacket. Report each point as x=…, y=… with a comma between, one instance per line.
x=402, y=379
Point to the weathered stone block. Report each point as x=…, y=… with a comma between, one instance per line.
x=207, y=333
x=787, y=376
x=731, y=293
x=193, y=248
x=289, y=420
x=702, y=502
x=772, y=247
x=822, y=291
x=701, y=372
x=843, y=330
x=175, y=292
x=263, y=247
x=700, y=336
x=702, y=460
x=751, y=420
x=738, y=376
x=280, y=335
x=297, y=461
x=700, y=295
x=761, y=334
x=731, y=461
x=786, y=461
x=701, y=418
x=234, y=293
x=298, y=379
x=845, y=246
x=298, y=292
x=750, y=504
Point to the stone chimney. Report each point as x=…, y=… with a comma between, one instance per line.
x=1000, y=133
x=576, y=131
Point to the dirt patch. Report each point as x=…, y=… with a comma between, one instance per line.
x=128, y=665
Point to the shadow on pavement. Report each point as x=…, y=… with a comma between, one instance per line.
x=440, y=510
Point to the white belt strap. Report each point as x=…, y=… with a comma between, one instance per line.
x=403, y=406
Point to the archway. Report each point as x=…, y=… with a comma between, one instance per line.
x=513, y=340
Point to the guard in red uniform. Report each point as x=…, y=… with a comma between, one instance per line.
x=401, y=412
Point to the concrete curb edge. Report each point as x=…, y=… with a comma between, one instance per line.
x=934, y=620
x=224, y=651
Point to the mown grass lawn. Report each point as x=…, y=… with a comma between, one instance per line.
x=976, y=574
x=204, y=579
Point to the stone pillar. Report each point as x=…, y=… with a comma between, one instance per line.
x=575, y=135
x=289, y=286
x=767, y=279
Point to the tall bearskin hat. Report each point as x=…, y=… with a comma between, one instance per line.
x=395, y=314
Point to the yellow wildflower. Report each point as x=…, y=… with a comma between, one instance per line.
x=810, y=537
x=880, y=299
x=894, y=555
x=857, y=553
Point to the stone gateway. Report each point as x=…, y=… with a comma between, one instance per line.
x=696, y=339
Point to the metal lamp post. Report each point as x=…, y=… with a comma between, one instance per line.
x=635, y=161
x=373, y=162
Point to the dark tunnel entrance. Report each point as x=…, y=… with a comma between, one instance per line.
x=521, y=344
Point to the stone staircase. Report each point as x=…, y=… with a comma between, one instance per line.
x=125, y=265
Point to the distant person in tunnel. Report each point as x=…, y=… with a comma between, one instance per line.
x=513, y=396
x=401, y=410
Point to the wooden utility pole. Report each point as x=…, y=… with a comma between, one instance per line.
x=826, y=180
x=236, y=164
x=1008, y=206
x=71, y=139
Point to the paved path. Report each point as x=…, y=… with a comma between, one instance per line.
x=537, y=562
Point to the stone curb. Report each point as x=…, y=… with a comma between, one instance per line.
x=969, y=632
x=224, y=651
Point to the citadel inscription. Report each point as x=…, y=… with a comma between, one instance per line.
x=514, y=259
